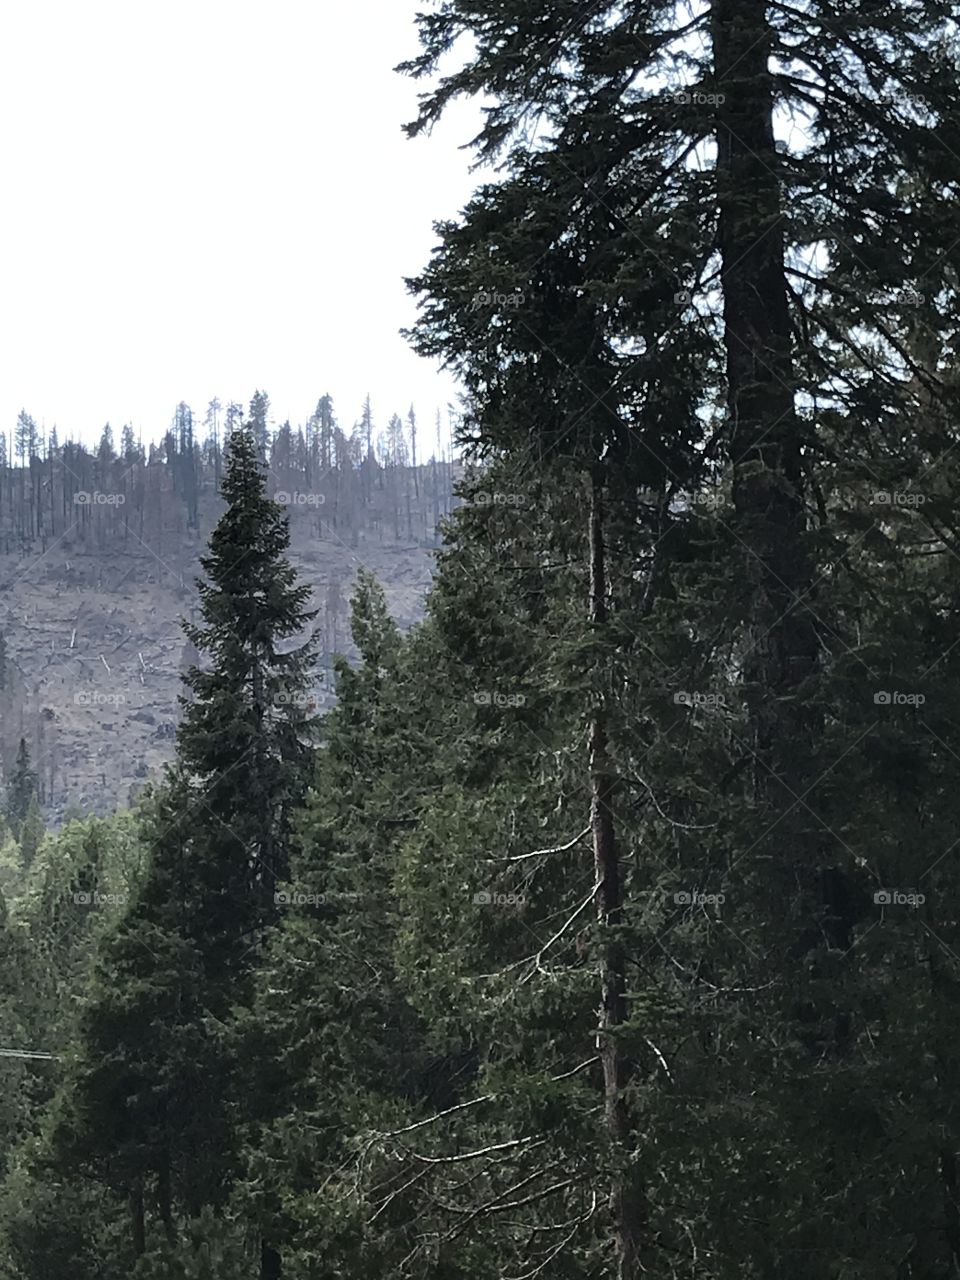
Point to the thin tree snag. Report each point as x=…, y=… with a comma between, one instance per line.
x=626, y=1198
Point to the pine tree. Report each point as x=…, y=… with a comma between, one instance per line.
x=320, y=429
x=146, y=1106
x=21, y=788
x=431, y=748
x=330, y=1036
x=165, y=1127
x=129, y=450
x=245, y=733
x=327, y=427
x=31, y=832
x=620, y=315
x=259, y=413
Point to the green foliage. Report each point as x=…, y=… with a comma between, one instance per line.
x=611, y=928
x=209, y=1249
x=52, y=1226
x=152, y=1100
x=21, y=788
x=244, y=737
x=31, y=832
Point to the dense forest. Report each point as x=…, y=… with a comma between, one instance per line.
x=609, y=923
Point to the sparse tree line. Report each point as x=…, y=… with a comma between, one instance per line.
x=392, y=482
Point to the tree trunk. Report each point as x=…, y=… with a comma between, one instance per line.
x=765, y=442
x=626, y=1198
x=766, y=445
x=765, y=437
x=137, y=1225
x=164, y=1194
x=271, y=1264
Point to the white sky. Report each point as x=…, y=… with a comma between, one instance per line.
x=203, y=197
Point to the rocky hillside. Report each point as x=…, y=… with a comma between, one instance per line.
x=95, y=647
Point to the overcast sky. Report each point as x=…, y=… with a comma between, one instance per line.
x=203, y=197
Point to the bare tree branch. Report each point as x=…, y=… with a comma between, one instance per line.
x=482, y=1151
x=560, y=848
x=559, y=934
x=528, y=1275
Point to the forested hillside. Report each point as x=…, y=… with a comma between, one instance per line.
x=99, y=557
x=608, y=925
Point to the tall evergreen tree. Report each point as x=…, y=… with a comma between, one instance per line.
x=245, y=732
x=655, y=326
x=153, y=1104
